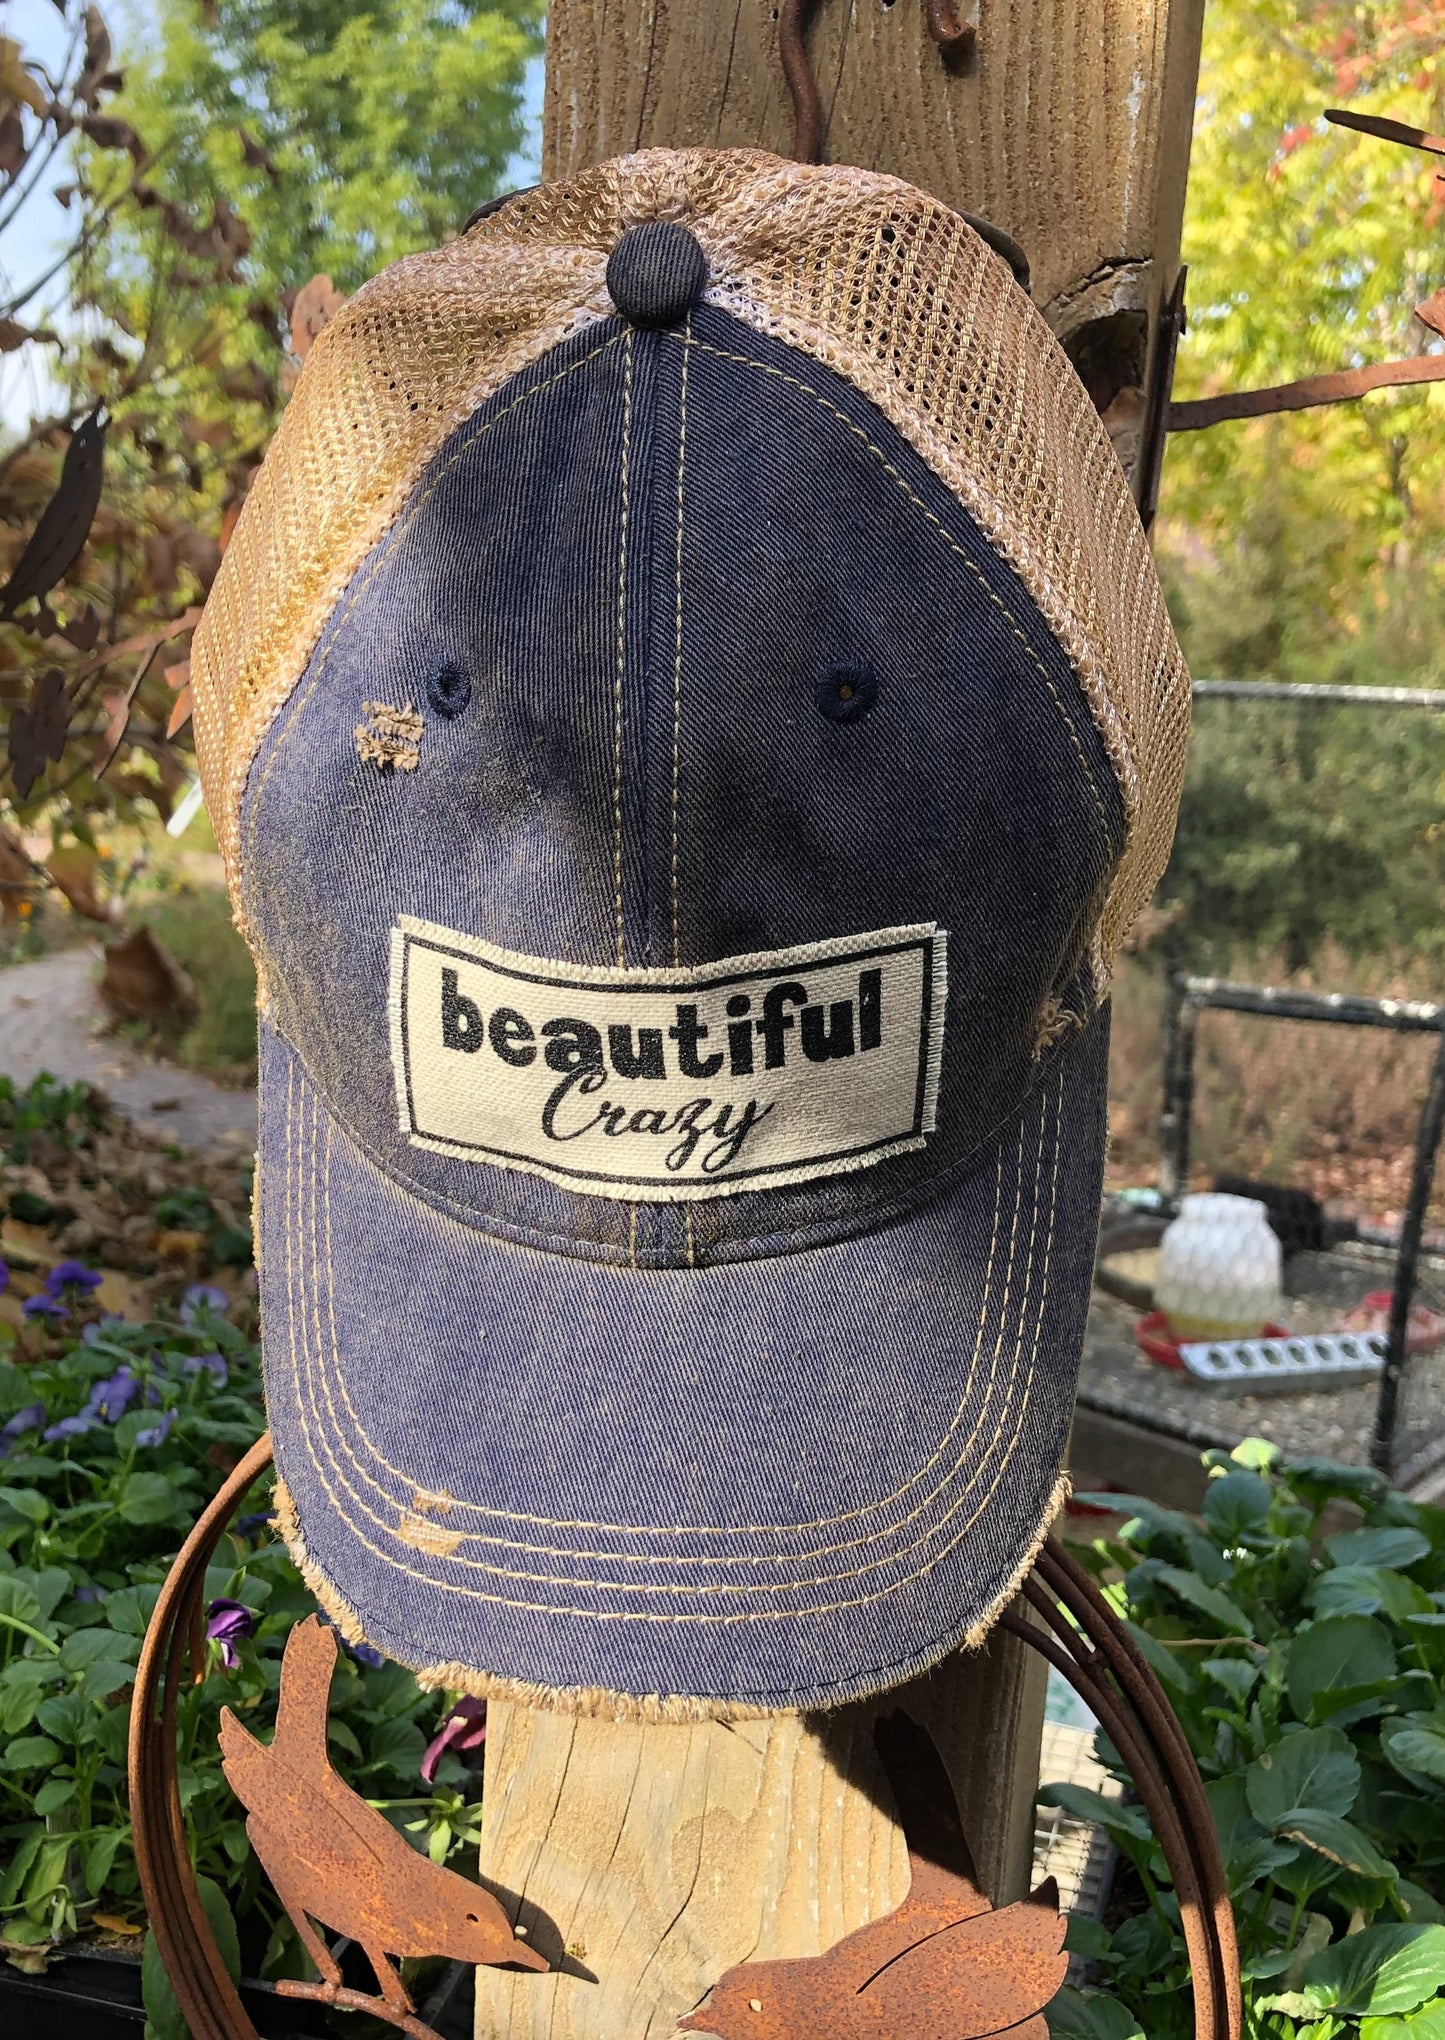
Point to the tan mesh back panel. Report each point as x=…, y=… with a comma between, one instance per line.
x=862, y=272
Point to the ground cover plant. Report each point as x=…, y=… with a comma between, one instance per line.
x=114, y=1431
x=1306, y=1664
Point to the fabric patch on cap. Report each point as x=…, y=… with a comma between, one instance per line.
x=667, y=1084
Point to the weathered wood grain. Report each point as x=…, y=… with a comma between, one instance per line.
x=660, y=1856
x=1070, y=129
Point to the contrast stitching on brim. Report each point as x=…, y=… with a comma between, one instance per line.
x=354, y=1425
x=450, y=1587
x=606, y=1702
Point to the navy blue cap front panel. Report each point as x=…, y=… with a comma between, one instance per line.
x=707, y=662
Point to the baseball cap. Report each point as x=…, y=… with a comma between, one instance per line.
x=689, y=717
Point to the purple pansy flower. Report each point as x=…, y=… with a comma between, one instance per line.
x=111, y=1399
x=465, y=1728
x=365, y=1654
x=247, y=1524
x=229, y=1623
x=206, y=1363
x=4, y=1275
x=157, y=1433
x=69, y=1427
x=43, y=1306
x=29, y=1419
x=203, y=1296
x=71, y=1275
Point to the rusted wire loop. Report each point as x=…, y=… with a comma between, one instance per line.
x=793, y=19
x=208, y=1998
x=1098, y=1657
x=1104, y=1664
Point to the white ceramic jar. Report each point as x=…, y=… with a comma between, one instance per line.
x=1220, y=1270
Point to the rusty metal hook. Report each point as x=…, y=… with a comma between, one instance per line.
x=955, y=39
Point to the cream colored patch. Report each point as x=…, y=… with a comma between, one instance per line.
x=674, y=1082
x=392, y=736
x=424, y=1503
x=425, y=1536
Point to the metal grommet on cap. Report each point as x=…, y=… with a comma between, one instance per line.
x=656, y=273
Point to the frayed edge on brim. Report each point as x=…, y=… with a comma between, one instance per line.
x=600, y=1702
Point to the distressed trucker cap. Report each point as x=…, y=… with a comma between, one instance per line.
x=689, y=717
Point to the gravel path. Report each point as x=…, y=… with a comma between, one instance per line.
x=51, y=1019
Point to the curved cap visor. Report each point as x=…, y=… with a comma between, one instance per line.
x=774, y=1484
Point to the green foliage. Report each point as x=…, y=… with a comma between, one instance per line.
x=109, y=1445
x=1307, y=1672
x=64, y=1112
x=1311, y=546
x=345, y=137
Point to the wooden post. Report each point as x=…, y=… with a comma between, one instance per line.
x=1069, y=128
x=647, y=1860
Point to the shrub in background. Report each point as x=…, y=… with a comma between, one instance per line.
x=1307, y=1670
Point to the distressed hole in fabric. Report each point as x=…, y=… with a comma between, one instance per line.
x=448, y=688
x=846, y=693
x=423, y=1535
x=390, y=736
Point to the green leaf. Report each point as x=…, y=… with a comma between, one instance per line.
x=1090, y=1806
x=1208, y=1600
x=398, y=1744
x=30, y=1753
x=1419, y=1905
x=1166, y=1667
x=1249, y=1852
x=53, y=1794
x=105, y=1678
x=1426, y=2024
x=1086, y=1937
x=1415, y=1744
x=1368, y=1590
x=87, y=1646
x=14, y=1875
x=19, y=1601
x=1236, y=1506
x=48, y=1870
x=1090, y=2015
x=1322, y=1480
x=1336, y=1651
x=100, y=1859
x=149, y=1498
x=1236, y=1675
x=164, y=2018
x=1388, y=1547
x=1335, y=1839
x=1315, y=1768
x=26, y=1502
x=1382, y=1970
x=129, y=1609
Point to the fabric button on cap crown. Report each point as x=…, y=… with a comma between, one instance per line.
x=656, y=273
x=690, y=717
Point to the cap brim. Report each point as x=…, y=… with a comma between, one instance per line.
x=775, y=1483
